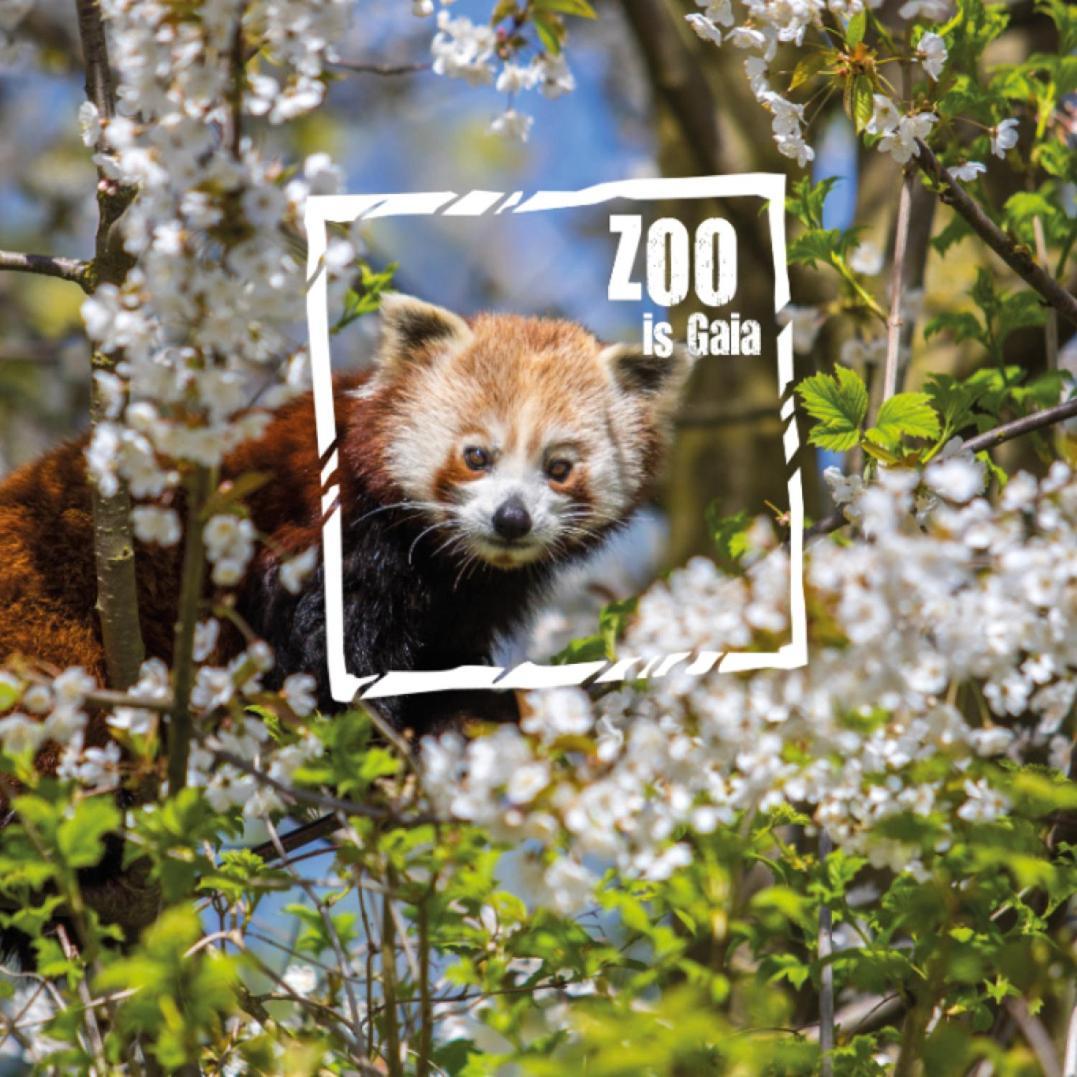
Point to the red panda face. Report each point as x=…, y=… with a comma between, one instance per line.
x=520, y=439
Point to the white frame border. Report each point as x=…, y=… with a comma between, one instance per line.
x=344, y=686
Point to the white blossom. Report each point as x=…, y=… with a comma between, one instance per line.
x=299, y=691
x=967, y=170
x=1004, y=137
x=295, y=570
x=152, y=524
x=512, y=124
x=931, y=52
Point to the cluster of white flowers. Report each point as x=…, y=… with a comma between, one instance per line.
x=209, y=308
x=227, y=786
x=54, y=713
x=899, y=135
x=467, y=50
x=943, y=590
x=765, y=25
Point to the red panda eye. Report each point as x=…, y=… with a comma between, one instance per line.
x=476, y=459
x=559, y=470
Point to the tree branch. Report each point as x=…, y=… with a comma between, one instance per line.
x=370, y=68
x=678, y=80
x=71, y=269
x=1038, y=420
x=191, y=581
x=1018, y=258
x=114, y=547
x=894, y=320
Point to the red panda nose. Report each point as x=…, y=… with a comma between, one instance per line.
x=512, y=520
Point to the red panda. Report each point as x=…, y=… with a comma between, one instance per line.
x=475, y=459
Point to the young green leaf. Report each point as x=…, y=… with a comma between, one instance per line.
x=839, y=403
x=905, y=415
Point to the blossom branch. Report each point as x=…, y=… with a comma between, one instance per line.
x=319, y=800
x=71, y=269
x=1038, y=420
x=1015, y=256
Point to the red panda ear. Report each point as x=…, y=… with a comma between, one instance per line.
x=414, y=331
x=651, y=376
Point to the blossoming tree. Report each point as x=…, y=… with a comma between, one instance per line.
x=862, y=866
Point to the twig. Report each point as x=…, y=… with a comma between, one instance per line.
x=71, y=269
x=93, y=1030
x=897, y=273
x=1035, y=1035
x=826, y=973
x=1038, y=420
x=330, y=930
x=426, y=1006
x=358, y=67
x=1016, y=257
x=858, y=1016
x=1069, y=1061
x=296, y=839
x=1026, y=425
x=391, y=1051
x=1050, y=324
x=194, y=565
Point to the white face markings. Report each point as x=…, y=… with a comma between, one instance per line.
x=519, y=439
x=517, y=473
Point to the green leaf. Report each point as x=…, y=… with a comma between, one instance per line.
x=569, y=7
x=854, y=32
x=807, y=198
x=1024, y=205
x=961, y=324
x=808, y=68
x=10, y=692
x=550, y=30
x=818, y=244
x=730, y=533
x=839, y=403
x=862, y=101
x=612, y=622
x=953, y=400
x=905, y=415
x=79, y=837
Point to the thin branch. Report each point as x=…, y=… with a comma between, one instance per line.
x=296, y=839
x=1038, y=420
x=357, y=67
x=1050, y=325
x=330, y=930
x=1026, y=425
x=71, y=269
x=897, y=281
x=194, y=567
x=1036, y=1036
x=826, y=976
x=1018, y=258
x=1069, y=1061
